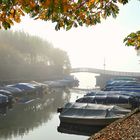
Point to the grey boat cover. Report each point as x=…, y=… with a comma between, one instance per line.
x=105, y=98
x=87, y=110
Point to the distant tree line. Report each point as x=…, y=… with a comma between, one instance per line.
x=23, y=56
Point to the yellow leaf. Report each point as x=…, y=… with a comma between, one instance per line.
x=17, y=19
x=21, y=12
x=12, y=11
x=88, y=22
x=138, y=38
x=90, y=2
x=11, y=16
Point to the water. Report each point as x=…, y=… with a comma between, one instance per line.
x=39, y=119
x=87, y=80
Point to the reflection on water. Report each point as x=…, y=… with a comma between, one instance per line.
x=23, y=118
x=78, y=129
x=86, y=80
x=3, y=110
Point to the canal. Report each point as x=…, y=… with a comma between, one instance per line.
x=38, y=119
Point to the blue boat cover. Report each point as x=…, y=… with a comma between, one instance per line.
x=3, y=99
x=23, y=86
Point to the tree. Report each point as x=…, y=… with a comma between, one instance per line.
x=66, y=13
x=29, y=57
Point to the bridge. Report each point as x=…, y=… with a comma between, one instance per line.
x=105, y=75
x=105, y=72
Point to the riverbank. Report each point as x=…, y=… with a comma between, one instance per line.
x=127, y=128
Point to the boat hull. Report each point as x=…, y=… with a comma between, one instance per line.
x=88, y=121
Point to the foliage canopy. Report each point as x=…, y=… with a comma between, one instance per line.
x=65, y=13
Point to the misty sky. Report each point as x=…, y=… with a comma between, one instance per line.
x=92, y=46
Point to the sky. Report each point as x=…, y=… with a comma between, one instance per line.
x=96, y=45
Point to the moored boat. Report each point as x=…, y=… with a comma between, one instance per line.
x=8, y=94
x=123, y=84
x=3, y=100
x=122, y=99
x=91, y=114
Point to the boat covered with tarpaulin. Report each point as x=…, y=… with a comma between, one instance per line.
x=91, y=114
x=121, y=100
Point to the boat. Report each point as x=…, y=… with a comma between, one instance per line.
x=68, y=81
x=91, y=114
x=117, y=98
x=3, y=100
x=130, y=89
x=122, y=84
x=128, y=93
x=13, y=90
x=8, y=94
x=23, y=86
x=123, y=81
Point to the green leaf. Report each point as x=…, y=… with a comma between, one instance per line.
x=138, y=32
x=68, y=27
x=133, y=35
x=6, y=2
x=27, y=9
x=6, y=25
x=125, y=39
